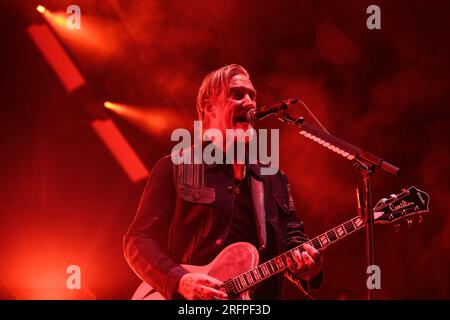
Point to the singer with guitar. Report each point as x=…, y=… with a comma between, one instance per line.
x=189, y=213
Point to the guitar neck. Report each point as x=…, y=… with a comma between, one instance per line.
x=246, y=280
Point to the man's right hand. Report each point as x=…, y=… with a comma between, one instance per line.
x=199, y=286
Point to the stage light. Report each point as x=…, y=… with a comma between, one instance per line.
x=155, y=120
x=56, y=56
x=41, y=9
x=57, y=19
x=92, y=39
x=108, y=105
x=117, y=108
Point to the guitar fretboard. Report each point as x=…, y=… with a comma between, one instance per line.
x=278, y=264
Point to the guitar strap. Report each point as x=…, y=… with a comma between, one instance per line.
x=257, y=190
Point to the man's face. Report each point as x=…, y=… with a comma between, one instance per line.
x=229, y=110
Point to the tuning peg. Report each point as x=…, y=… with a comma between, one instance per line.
x=406, y=191
x=393, y=196
x=384, y=200
x=397, y=227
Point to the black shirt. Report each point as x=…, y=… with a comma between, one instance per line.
x=243, y=226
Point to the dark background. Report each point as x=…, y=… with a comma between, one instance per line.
x=65, y=200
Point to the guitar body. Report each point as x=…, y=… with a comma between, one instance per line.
x=232, y=261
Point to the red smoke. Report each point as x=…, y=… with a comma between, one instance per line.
x=385, y=91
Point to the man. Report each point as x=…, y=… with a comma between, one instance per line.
x=188, y=213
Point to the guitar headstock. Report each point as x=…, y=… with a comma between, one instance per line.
x=408, y=205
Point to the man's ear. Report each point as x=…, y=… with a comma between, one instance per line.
x=209, y=109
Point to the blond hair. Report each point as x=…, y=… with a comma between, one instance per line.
x=214, y=84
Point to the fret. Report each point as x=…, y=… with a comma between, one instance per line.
x=348, y=227
x=273, y=265
x=248, y=279
x=252, y=274
x=279, y=262
x=332, y=235
x=269, y=266
x=241, y=283
x=259, y=274
x=299, y=249
x=276, y=264
x=284, y=257
x=237, y=284
x=265, y=269
x=316, y=243
x=234, y=285
x=291, y=253
x=244, y=281
x=261, y=271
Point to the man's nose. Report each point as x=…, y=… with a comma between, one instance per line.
x=248, y=102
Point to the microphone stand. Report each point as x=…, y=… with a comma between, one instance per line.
x=363, y=161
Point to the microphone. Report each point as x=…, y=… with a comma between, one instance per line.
x=254, y=114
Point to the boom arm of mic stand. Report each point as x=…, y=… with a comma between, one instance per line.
x=337, y=145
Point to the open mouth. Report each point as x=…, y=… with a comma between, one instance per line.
x=240, y=118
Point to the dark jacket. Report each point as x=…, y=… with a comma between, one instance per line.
x=184, y=218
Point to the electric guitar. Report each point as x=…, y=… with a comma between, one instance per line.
x=237, y=264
